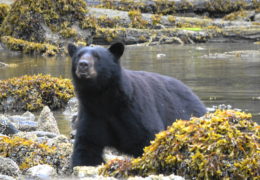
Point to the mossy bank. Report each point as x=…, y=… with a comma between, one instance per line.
x=47, y=26
x=48, y=22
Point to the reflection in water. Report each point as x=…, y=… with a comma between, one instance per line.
x=231, y=80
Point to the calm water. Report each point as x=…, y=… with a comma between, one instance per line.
x=223, y=80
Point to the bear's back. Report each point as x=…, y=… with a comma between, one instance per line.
x=173, y=99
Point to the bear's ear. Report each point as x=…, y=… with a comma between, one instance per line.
x=117, y=49
x=72, y=49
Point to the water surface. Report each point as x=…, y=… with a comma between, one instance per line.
x=223, y=80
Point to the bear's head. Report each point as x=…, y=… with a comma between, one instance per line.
x=96, y=64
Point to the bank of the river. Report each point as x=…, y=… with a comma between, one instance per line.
x=31, y=30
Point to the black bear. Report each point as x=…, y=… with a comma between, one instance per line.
x=122, y=108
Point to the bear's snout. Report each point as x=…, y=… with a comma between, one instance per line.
x=83, y=65
x=85, y=68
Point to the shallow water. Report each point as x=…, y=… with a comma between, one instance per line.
x=233, y=80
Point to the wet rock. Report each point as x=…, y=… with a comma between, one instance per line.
x=72, y=107
x=27, y=125
x=44, y=133
x=24, y=122
x=47, y=121
x=37, y=136
x=6, y=127
x=41, y=172
x=9, y=167
x=5, y=177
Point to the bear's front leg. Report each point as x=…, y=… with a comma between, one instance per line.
x=86, y=153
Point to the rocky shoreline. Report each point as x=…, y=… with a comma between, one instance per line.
x=33, y=148
x=132, y=22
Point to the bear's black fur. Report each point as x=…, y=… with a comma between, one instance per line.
x=122, y=108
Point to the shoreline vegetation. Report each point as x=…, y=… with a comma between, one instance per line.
x=46, y=27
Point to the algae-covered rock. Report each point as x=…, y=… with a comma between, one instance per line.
x=33, y=92
x=219, y=145
x=29, y=47
x=241, y=15
x=27, y=153
x=212, y=7
x=45, y=21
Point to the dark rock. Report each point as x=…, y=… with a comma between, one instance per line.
x=24, y=122
x=6, y=127
x=44, y=133
x=27, y=125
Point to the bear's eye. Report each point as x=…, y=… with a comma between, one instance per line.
x=80, y=54
x=95, y=55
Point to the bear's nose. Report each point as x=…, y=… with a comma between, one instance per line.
x=83, y=64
